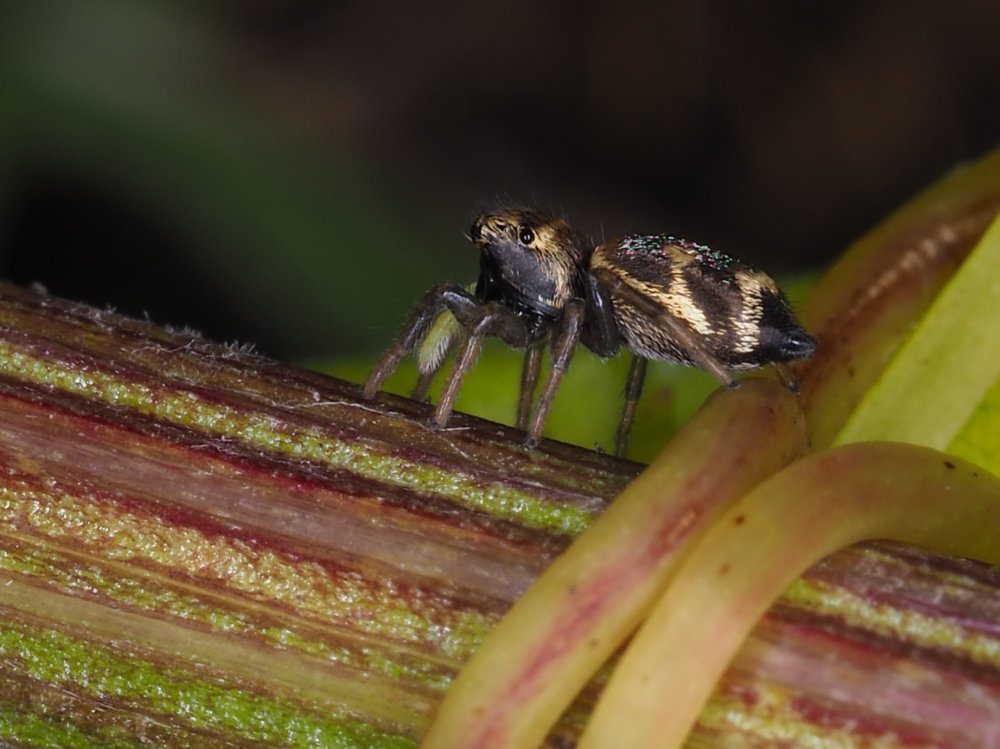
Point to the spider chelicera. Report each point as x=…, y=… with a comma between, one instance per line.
x=541, y=283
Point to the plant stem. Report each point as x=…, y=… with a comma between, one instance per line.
x=202, y=547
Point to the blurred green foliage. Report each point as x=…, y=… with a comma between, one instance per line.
x=307, y=242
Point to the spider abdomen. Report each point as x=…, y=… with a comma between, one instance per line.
x=675, y=300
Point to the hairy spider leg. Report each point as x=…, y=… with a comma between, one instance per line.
x=461, y=303
x=490, y=318
x=429, y=365
x=441, y=337
x=570, y=328
x=424, y=381
x=602, y=336
x=530, y=372
x=633, y=390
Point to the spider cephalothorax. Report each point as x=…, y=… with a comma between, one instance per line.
x=541, y=283
x=529, y=261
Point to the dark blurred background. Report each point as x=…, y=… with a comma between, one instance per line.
x=294, y=173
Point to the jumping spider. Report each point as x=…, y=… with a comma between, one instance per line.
x=540, y=282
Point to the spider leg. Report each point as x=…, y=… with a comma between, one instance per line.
x=786, y=377
x=695, y=348
x=529, y=380
x=600, y=331
x=633, y=389
x=562, y=353
x=487, y=317
x=439, y=340
x=424, y=382
x=454, y=297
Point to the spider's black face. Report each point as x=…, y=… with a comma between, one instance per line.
x=530, y=261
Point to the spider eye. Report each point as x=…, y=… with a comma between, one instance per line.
x=526, y=235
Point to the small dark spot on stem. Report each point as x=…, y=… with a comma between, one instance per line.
x=739, y=520
x=594, y=642
x=724, y=569
x=949, y=465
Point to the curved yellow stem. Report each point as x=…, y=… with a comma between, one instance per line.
x=763, y=542
x=582, y=608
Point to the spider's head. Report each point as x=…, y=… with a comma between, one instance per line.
x=531, y=257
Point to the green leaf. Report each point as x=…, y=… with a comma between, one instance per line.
x=979, y=439
x=943, y=372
